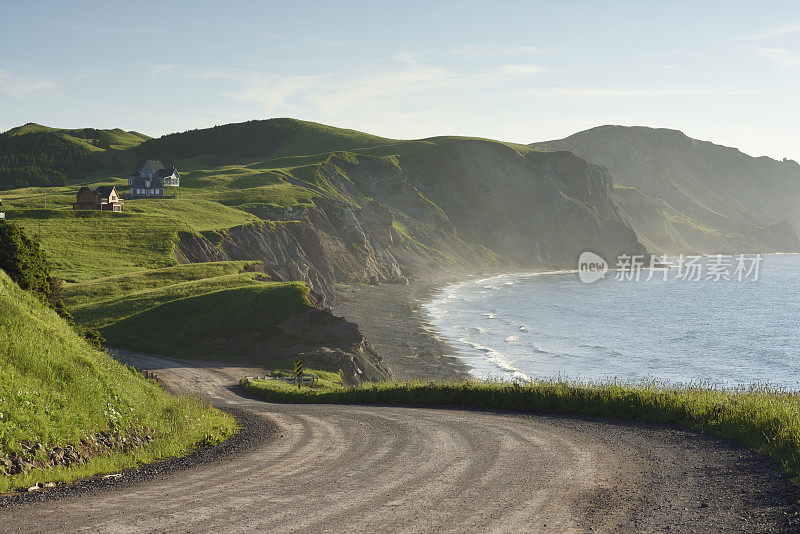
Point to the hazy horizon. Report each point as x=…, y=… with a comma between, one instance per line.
x=514, y=71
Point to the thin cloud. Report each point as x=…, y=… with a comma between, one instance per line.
x=273, y=93
x=781, y=58
x=635, y=91
x=521, y=69
x=20, y=86
x=498, y=51
x=784, y=30
x=334, y=92
x=156, y=70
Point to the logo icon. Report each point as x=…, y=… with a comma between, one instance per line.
x=591, y=267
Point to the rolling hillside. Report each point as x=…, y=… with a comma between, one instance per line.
x=685, y=195
x=267, y=323
x=37, y=155
x=78, y=403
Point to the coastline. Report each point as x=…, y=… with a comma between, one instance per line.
x=394, y=321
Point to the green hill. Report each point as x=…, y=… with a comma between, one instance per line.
x=113, y=287
x=36, y=155
x=57, y=391
x=102, y=313
x=232, y=322
x=257, y=139
x=237, y=318
x=454, y=202
x=83, y=245
x=695, y=196
x=89, y=137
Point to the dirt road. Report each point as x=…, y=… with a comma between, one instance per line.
x=389, y=469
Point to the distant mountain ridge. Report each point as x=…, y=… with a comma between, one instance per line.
x=685, y=195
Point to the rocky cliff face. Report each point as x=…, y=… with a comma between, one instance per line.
x=324, y=246
x=695, y=196
x=532, y=209
x=457, y=204
x=340, y=344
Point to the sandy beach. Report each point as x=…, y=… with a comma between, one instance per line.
x=392, y=318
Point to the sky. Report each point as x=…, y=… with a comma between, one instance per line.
x=522, y=71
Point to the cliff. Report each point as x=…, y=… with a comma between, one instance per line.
x=685, y=195
x=445, y=203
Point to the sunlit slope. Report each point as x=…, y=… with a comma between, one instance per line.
x=227, y=323
x=55, y=389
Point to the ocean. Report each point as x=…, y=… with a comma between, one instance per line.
x=721, y=332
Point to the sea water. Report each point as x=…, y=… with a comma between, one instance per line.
x=538, y=325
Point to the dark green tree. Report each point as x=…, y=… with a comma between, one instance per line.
x=24, y=260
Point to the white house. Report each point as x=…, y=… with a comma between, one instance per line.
x=153, y=169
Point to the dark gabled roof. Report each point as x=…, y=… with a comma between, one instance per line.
x=103, y=191
x=154, y=164
x=139, y=182
x=165, y=173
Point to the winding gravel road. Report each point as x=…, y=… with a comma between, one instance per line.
x=389, y=469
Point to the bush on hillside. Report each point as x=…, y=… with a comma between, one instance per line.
x=24, y=260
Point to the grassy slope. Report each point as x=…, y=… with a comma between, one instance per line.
x=103, y=313
x=84, y=245
x=223, y=324
x=56, y=389
x=767, y=420
x=113, y=287
x=119, y=139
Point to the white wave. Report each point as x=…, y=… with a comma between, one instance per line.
x=509, y=339
x=496, y=359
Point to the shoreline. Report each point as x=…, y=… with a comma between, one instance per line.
x=392, y=318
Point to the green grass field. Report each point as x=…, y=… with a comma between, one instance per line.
x=103, y=313
x=84, y=245
x=192, y=211
x=225, y=324
x=766, y=419
x=113, y=287
x=56, y=389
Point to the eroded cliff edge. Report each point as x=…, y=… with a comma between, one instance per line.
x=460, y=204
